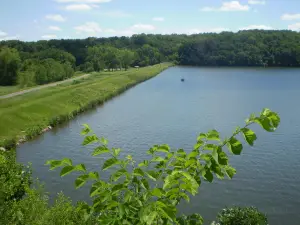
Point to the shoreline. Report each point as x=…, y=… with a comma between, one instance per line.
x=52, y=122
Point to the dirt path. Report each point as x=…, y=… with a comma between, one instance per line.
x=42, y=87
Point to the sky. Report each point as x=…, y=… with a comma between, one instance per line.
x=32, y=20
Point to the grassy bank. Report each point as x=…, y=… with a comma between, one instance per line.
x=24, y=117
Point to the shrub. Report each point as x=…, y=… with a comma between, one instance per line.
x=242, y=216
x=34, y=209
x=14, y=177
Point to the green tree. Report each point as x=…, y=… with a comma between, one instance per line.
x=126, y=58
x=9, y=66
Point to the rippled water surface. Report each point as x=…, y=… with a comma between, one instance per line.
x=166, y=110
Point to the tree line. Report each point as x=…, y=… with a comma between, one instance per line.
x=47, y=61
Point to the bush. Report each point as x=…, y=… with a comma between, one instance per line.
x=14, y=177
x=34, y=209
x=242, y=216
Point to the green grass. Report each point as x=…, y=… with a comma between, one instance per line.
x=28, y=114
x=4, y=90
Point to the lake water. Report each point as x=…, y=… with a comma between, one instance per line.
x=166, y=110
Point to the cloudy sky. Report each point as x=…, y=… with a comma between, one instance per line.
x=47, y=19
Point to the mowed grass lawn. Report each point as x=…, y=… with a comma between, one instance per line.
x=20, y=114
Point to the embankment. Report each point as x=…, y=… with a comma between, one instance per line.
x=26, y=116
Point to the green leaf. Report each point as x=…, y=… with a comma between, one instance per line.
x=128, y=196
x=213, y=135
x=58, y=163
x=121, y=210
x=215, y=155
x=145, y=184
x=157, y=192
x=109, y=163
x=86, y=129
x=144, y=163
x=210, y=147
x=67, y=161
x=117, y=188
x=190, y=162
x=166, y=211
x=152, y=175
x=163, y=148
x=54, y=164
x=201, y=136
x=181, y=152
x=222, y=158
x=230, y=171
x=150, y=151
x=66, y=170
x=81, y=180
x=157, y=159
x=275, y=119
x=100, y=150
x=193, y=154
x=90, y=139
x=235, y=146
x=198, y=145
x=80, y=167
x=184, y=196
x=93, y=175
x=249, y=136
x=151, y=217
x=208, y=175
x=116, y=176
x=138, y=172
x=116, y=151
x=104, y=141
x=95, y=189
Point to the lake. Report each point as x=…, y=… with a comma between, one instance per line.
x=166, y=110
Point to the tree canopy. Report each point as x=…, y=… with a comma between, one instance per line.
x=243, y=48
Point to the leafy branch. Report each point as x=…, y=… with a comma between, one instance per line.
x=149, y=192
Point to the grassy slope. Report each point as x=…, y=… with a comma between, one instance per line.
x=29, y=113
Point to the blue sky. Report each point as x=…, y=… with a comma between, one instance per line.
x=32, y=20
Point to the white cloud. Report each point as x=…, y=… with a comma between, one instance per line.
x=78, y=7
x=56, y=28
x=256, y=2
x=109, y=31
x=116, y=14
x=83, y=1
x=207, y=30
x=35, y=21
x=6, y=38
x=142, y=27
x=158, y=19
x=294, y=27
x=290, y=16
x=257, y=27
x=49, y=36
x=56, y=17
x=228, y=6
x=89, y=27
x=2, y=33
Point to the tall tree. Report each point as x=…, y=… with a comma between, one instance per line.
x=9, y=66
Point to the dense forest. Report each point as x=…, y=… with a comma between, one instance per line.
x=30, y=63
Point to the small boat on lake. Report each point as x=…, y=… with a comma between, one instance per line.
x=182, y=79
